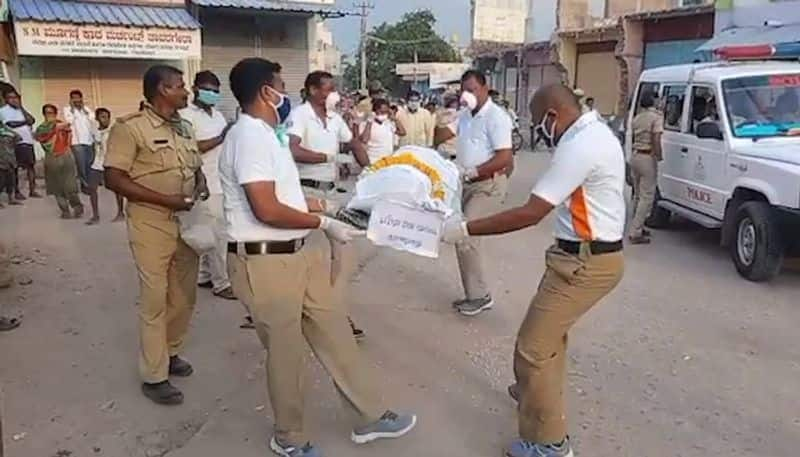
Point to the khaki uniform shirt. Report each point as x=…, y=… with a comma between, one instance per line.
x=365, y=106
x=644, y=125
x=159, y=154
x=419, y=127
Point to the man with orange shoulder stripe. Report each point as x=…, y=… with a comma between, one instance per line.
x=585, y=184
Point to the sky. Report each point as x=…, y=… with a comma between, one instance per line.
x=452, y=17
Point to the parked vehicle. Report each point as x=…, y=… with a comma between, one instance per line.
x=731, y=147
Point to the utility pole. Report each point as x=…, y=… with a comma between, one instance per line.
x=363, y=7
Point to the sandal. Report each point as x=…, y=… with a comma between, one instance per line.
x=9, y=323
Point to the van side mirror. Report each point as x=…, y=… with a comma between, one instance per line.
x=709, y=130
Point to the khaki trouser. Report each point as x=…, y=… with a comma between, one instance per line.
x=644, y=171
x=344, y=257
x=479, y=199
x=167, y=287
x=212, y=263
x=571, y=285
x=289, y=297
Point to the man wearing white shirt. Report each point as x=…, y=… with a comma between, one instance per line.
x=316, y=132
x=483, y=152
x=380, y=130
x=16, y=117
x=585, y=185
x=81, y=120
x=210, y=128
x=278, y=267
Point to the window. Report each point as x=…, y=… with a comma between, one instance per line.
x=763, y=106
x=644, y=88
x=673, y=106
x=704, y=107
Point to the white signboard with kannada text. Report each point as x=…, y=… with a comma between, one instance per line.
x=71, y=40
x=405, y=228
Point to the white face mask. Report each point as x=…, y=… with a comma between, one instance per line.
x=469, y=100
x=413, y=105
x=332, y=100
x=381, y=117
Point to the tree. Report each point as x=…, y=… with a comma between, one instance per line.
x=382, y=56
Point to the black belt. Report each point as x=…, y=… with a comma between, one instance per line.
x=268, y=247
x=595, y=247
x=313, y=183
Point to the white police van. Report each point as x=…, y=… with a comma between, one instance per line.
x=731, y=147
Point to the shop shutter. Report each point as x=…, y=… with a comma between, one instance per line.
x=63, y=75
x=284, y=39
x=119, y=85
x=598, y=76
x=294, y=68
x=226, y=41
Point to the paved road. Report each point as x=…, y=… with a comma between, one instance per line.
x=683, y=359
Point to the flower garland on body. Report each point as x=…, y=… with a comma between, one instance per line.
x=407, y=158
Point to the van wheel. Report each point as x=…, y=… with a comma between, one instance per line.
x=757, y=248
x=659, y=217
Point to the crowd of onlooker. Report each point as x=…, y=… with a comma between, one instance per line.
x=73, y=142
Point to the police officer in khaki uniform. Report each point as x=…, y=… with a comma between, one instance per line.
x=153, y=161
x=647, y=127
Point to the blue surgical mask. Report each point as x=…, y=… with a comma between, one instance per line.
x=283, y=108
x=207, y=97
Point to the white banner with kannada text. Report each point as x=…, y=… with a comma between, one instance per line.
x=72, y=40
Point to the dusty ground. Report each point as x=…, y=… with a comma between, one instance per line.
x=684, y=359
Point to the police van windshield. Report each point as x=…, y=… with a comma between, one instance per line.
x=763, y=106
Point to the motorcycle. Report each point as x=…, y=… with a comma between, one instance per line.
x=517, y=141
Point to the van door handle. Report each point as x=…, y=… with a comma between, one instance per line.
x=684, y=150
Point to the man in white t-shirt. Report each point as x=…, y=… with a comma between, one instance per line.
x=584, y=185
x=210, y=128
x=380, y=130
x=81, y=120
x=483, y=153
x=276, y=262
x=316, y=133
x=16, y=117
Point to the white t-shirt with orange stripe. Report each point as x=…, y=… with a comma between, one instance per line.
x=585, y=183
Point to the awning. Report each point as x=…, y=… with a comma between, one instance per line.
x=92, y=13
x=753, y=36
x=289, y=6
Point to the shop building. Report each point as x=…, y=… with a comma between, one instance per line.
x=665, y=37
x=101, y=49
x=281, y=31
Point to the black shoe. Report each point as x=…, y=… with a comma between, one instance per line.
x=639, y=240
x=513, y=392
x=163, y=393
x=357, y=332
x=179, y=367
x=206, y=285
x=226, y=293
